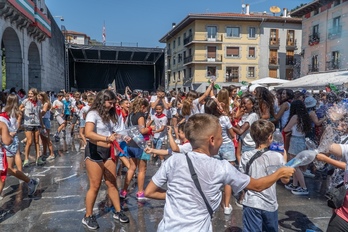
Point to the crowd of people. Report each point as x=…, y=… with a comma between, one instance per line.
x=215, y=140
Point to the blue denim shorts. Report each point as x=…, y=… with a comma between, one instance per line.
x=297, y=144
x=82, y=122
x=157, y=143
x=226, y=152
x=135, y=152
x=47, y=123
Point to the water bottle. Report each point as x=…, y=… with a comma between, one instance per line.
x=278, y=142
x=313, y=147
x=137, y=137
x=303, y=158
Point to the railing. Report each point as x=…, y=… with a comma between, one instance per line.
x=274, y=42
x=188, y=59
x=291, y=43
x=290, y=60
x=313, y=68
x=273, y=61
x=188, y=39
x=335, y=32
x=232, y=78
x=331, y=65
x=313, y=39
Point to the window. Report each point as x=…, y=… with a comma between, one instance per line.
x=290, y=38
x=212, y=31
x=315, y=29
x=174, y=60
x=251, y=52
x=336, y=2
x=173, y=44
x=232, y=51
x=316, y=11
x=179, y=41
x=179, y=58
x=232, y=74
x=190, y=72
x=211, y=50
x=251, y=72
x=233, y=32
x=252, y=32
x=336, y=22
x=211, y=71
x=274, y=37
x=174, y=77
x=335, y=63
x=179, y=78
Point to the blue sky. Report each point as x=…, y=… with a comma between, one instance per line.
x=143, y=21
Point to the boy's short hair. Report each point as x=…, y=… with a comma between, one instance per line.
x=90, y=98
x=261, y=130
x=199, y=127
x=160, y=89
x=60, y=94
x=160, y=106
x=181, y=127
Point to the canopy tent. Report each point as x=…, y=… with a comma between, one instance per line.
x=269, y=81
x=317, y=81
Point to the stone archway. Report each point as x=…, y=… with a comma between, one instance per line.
x=34, y=67
x=12, y=54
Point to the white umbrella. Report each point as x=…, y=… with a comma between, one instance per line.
x=269, y=81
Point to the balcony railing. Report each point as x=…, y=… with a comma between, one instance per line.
x=313, y=39
x=232, y=78
x=335, y=32
x=290, y=60
x=188, y=39
x=291, y=44
x=188, y=59
x=274, y=42
x=313, y=68
x=331, y=65
x=273, y=61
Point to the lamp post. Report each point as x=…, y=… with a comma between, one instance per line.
x=60, y=17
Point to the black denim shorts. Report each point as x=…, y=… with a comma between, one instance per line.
x=97, y=153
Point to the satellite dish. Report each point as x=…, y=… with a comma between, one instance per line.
x=243, y=5
x=274, y=9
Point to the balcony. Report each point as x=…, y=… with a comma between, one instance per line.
x=274, y=43
x=273, y=63
x=313, y=39
x=331, y=65
x=188, y=59
x=313, y=68
x=335, y=32
x=26, y=15
x=188, y=39
x=291, y=44
x=232, y=78
x=203, y=38
x=211, y=60
x=169, y=52
x=290, y=60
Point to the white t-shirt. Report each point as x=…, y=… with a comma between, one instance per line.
x=58, y=107
x=84, y=110
x=344, y=148
x=185, y=148
x=267, y=199
x=246, y=137
x=159, y=122
x=185, y=209
x=225, y=126
x=102, y=128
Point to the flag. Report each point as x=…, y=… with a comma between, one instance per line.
x=104, y=35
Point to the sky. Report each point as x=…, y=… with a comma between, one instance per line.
x=143, y=22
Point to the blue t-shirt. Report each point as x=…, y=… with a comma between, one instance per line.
x=67, y=105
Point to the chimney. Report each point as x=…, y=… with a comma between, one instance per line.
x=173, y=25
x=285, y=12
x=247, y=9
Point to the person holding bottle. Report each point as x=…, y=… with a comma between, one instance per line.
x=101, y=124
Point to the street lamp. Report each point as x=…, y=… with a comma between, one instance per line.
x=60, y=17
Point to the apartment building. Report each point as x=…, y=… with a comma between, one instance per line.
x=74, y=37
x=232, y=47
x=324, y=42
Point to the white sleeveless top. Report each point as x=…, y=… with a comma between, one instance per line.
x=284, y=119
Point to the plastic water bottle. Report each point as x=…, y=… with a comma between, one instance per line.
x=313, y=147
x=303, y=158
x=278, y=142
x=137, y=137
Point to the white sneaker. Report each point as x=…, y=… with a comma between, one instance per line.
x=228, y=210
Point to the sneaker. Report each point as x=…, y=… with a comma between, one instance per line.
x=39, y=161
x=32, y=186
x=291, y=186
x=300, y=191
x=90, y=222
x=123, y=194
x=121, y=217
x=308, y=173
x=26, y=163
x=140, y=195
x=239, y=203
x=51, y=157
x=228, y=210
x=56, y=138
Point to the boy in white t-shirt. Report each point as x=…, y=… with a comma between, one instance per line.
x=58, y=111
x=160, y=120
x=185, y=209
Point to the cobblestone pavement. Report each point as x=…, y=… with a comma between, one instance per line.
x=58, y=204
